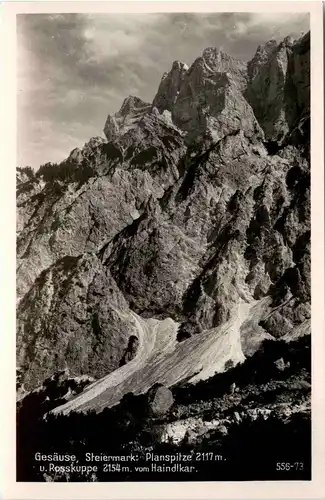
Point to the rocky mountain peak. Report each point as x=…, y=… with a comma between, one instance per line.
x=130, y=104
x=212, y=53
x=132, y=109
x=201, y=96
x=198, y=99
x=260, y=58
x=169, y=87
x=289, y=41
x=279, y=87
x=221, y=62
x=179, y=66
x=267, y=47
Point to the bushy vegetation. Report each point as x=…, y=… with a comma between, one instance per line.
x=66, y=171
x=251, y=448
x=256, y=370
x=28, y=171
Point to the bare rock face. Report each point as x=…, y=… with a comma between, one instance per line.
x=213, y=105
x=127, y=118
x=207, y=98
x=195, y=208
x=279, y=87
x=169, y=87
x=73, y=317
x=81, y=207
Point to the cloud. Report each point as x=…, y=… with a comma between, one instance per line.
x=74, y=69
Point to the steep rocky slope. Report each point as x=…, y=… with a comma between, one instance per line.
x=174, y=248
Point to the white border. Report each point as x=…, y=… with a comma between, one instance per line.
x=11, y=490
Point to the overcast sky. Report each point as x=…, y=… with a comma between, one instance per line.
x=74, y=69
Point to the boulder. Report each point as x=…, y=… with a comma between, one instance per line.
x=160, y=400
x=280, y=364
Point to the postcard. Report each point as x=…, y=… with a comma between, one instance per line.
x=168, y=339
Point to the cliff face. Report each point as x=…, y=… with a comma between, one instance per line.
x=195, y=209
x=279, y=87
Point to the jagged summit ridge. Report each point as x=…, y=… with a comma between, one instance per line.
x=219, y=94
x=200, y=100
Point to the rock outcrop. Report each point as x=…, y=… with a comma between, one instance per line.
x=73, y=316
x=195, y=209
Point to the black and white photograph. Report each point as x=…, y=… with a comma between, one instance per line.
x=163, y=196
